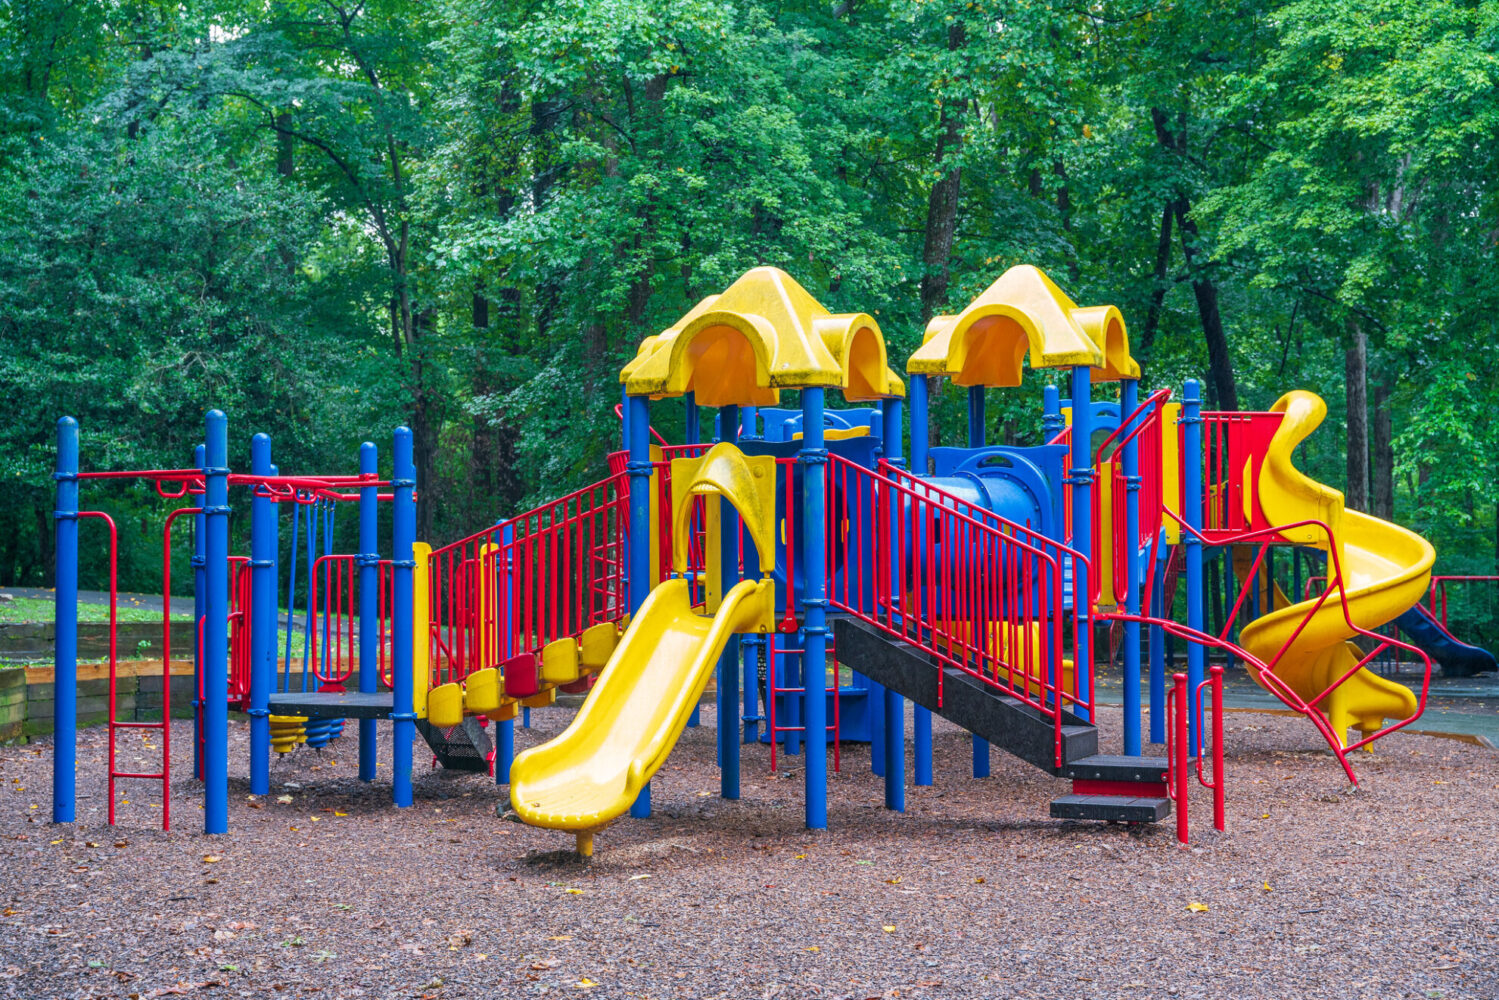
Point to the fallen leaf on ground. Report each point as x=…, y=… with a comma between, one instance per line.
x=209, y=859
x=1198, y=907
x=635, y=877
x=888, y=928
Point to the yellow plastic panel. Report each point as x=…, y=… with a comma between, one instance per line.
x=507, y=711
x=481, y=691
x=421, y=621
x=595, y=645
x=445, y=706
x=747, y=483
x=541, y=700
x=591, y=773
x=559, y=662
x=1386, y=570
x=1104, y=325
x=837, y=433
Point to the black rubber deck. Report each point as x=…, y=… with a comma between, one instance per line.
x=333, y=704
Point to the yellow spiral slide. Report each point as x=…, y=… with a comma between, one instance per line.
x=1385, y=570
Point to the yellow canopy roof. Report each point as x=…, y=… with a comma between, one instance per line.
x=763, y=334
x=1023, y=311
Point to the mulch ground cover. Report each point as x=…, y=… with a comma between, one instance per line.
x=324, y=889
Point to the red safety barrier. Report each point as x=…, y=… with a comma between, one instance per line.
x=978, y=594
x=543, y=575
x=1234, y=447
x=1144, y=428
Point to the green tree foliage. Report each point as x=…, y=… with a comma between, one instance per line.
x=330, y=216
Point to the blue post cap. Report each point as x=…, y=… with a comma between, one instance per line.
x=369, y=458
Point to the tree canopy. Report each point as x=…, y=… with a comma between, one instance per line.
x=327, y=217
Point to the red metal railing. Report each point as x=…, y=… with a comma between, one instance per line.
x=1179, y=763
x=1265, y=669
x=543, y=575
x=1234, y=447
x=1437, y=596
x=977, y=594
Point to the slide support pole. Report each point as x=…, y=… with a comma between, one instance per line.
x=638, y=428
x=729, y=728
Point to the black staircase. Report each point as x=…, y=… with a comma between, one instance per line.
x=1104, y=786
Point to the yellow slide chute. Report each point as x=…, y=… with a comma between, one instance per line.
x=1385, y=570
x=593, y=771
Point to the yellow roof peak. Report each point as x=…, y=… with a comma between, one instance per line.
x=1023, y=312
x=764, y=333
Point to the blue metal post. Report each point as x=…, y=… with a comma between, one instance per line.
x=262, y=618
x=505, y=729
x=200, y=607
x=1082, y=527
x=216, y=626
x=814, y=458
x=1158, y=603
x=895, y=705
x=692, y=434
x=1129, y=398
x=1051, y=412
x=65, y=668
x=1191, y=467
x=403, y=625
x=976, y=440
x=638, y=427
x=919, y=433
x=729, y=728
x=369, y=591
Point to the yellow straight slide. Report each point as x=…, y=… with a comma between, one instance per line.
x=1385, y=570
x=591, y=773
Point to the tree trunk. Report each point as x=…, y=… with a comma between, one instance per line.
x=1221, y=382
x=1355, y=372
x=1158, y=291
x=1382, y=454
x=425, y=426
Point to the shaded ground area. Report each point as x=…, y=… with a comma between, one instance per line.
x=324, y=889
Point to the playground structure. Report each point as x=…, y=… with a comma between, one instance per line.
x=979, y=581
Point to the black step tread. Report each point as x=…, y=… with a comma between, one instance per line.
x=1118, y=808
x=1117, y=767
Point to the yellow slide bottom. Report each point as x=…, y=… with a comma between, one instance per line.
x=593, y=771
x=1385, y=570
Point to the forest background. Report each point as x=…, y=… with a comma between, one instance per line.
x=328, y=217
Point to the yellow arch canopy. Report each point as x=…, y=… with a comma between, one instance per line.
x=763, y=334
x=1023, y=313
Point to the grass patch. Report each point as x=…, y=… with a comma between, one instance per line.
x=30, y=610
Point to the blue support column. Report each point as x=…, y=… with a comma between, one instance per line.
x=728, y=661
x=895, y=705
x=638, y=428
x=1158, y=603
x=403, y=624
x=814, y=458
x=1081, y=478
x=919, y=433
x=216, y=626
x=65, y=671
x=1129, y=398
x=369, y=591
x=262, y=618
x=1191, y=469
x=1051, y=412
x=976, y=440
x=504, y=730
x=692, y=434
x=200, y=607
